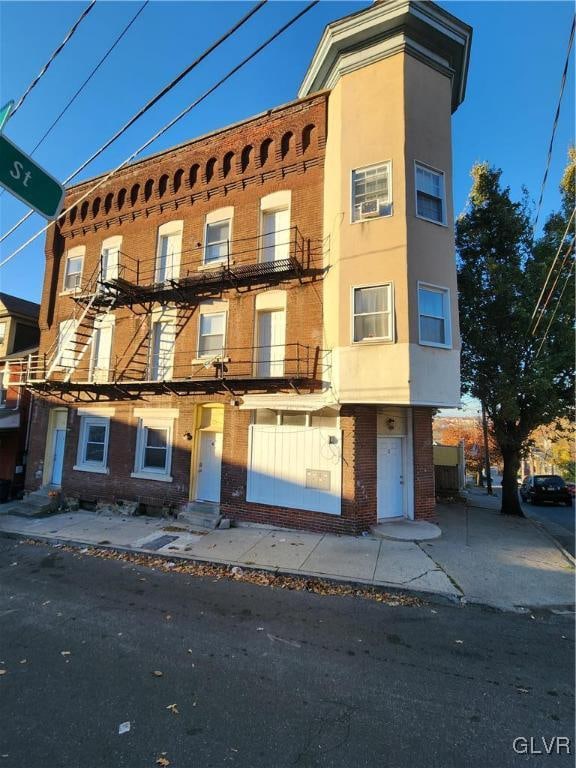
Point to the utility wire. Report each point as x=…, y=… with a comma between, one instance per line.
x=553, y=288
x=568, y=276
x=537, y=307
x=150, y=104
x=555, y=124
x=42, y=72
x=169, y=125
x=87, y=80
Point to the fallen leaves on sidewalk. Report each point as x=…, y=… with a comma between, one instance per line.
x=157, y=673
x=163, y=761
x=173, y=708
x=260, y=578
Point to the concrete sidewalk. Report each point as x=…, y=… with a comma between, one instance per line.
x=481, y=556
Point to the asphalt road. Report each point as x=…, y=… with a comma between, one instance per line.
x=558, y=521
x=263, y=677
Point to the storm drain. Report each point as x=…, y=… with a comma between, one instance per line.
x=160, y=542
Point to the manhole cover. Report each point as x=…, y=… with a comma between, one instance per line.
x=160, y=542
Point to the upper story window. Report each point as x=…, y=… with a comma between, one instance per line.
x=275, y=226
x=372, y=192
x=372, y=316
x=65, y=346
x=430, y=195
x=169, y=251
x=110, y=258
x=218, y=235
x=212, y=334
x=73, y=269
x=2, y=332
x=434, y=315
x=162, y=350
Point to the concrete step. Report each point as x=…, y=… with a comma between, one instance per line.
x=201, y=515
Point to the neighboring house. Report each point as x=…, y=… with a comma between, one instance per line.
x=19, y=337
x=265, y=318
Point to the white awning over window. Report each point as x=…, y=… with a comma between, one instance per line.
x=290, y=402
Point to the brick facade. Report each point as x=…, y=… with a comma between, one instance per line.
x=424, y=488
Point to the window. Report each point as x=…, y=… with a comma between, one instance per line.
x=101, y=348
x=154, y=448
x=73, y=273
x=2, y=332
x=434, y=309
x=65, y=346
x=110, y=258
x=430, y=195
x=373, y=313
x=168, y=252
x=371, y=192
x=212, y=334
x=217, y=241
x=93, y=444
x=275, y=235
x=163, y=338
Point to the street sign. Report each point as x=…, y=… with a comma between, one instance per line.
x=5, y=113
x=23, y=178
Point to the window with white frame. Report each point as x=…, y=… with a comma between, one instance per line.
x=168, y=252
x=162, y=350
x=434, y=311
x=212, y=334
x=73, y=272
x=65, y=344
x=372, y=313
x=372, y=192
x=154, y=448
x=93, y=443
x=430, y=197
x=217, y=241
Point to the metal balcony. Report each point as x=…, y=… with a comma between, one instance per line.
x=204, y=270
x=236, y=370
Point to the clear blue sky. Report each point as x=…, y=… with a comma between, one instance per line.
x=518, y=53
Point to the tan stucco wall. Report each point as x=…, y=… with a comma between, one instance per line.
x=398, y=110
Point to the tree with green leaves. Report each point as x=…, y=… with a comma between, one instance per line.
x=523, y=378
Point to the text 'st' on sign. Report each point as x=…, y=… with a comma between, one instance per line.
x=26, y=180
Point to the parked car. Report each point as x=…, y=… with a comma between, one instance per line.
x=540, y=488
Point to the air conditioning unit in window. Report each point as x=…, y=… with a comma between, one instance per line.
x=369, y=209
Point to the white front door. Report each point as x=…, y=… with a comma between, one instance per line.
x=209, y=466
x=59, y=441
x=390, y=477
x=276, y=231
x=271, y=341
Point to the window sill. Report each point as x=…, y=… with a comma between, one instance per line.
x=433, y=344
x=208, y=265
x=208, y=361
x=71, y=292
x=151, y=476
x=432, y=221
x=382, y=340
x=372, y=218
x=87, y=468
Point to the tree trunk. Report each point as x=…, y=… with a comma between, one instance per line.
x=510, y=498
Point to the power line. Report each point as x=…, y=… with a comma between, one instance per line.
x=87, y=80
x=42, y=72
x=555, y=124
x=553, y=288
x=537, y=307
x=169, y=125
x=568, y=276
x=92, y=73
x=150, y=104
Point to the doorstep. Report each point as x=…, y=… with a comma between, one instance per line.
x=406, y=530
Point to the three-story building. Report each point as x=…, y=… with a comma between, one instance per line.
x=265, y=318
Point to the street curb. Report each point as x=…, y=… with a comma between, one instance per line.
x=541, y=527
x=435, y=598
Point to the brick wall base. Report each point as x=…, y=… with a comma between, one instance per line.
x=424, y=486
